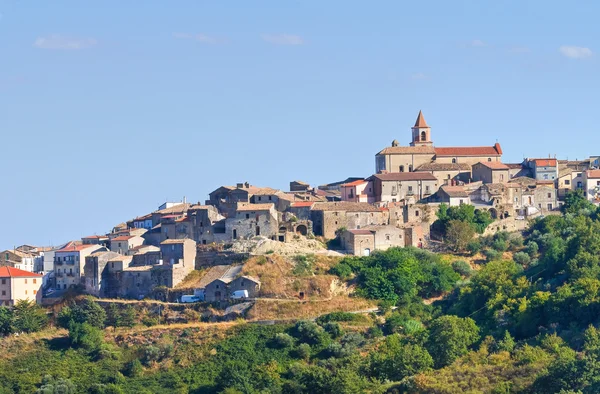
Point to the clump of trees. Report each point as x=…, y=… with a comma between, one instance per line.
x=25, y=316
x=458, y=224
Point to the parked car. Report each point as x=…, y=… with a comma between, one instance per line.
x=185, y=299
x=239, y=294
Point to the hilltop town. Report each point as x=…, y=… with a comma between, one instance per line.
x=154, y=256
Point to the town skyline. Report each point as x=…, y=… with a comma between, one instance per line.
x=194, y=99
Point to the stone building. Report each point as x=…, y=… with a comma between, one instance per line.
x=394, y=187
x=251, y=220
x=124, y=243
x=421, y=151
x=453, y=195
x=543, y=169
x=179, y=258
x=358, y=191
x=95, y=271
x=448, y=173
x=18, y=259
x=362, y=242
x=69, y=264
x=490, y=172
x=328, y=217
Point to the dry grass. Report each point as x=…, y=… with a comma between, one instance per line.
x=282, y=310
x=191, y=280
x=278, y=280
x=13, y=346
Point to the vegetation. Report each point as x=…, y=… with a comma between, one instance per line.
x=522, y=324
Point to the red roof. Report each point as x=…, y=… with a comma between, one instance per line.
x=95, y=237
x=494, y=165
x=301, y=204
x=593, y=174
x=406, y=176
x=355, y=183
x=360, y=232
x=75, y=248
x=495, y=150
x=16, y=273
x=545, y=162
x=420, y=121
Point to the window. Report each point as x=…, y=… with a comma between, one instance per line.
x=217, y=286
x=460, y=202
x=416, y=213
x=501, y=177
x=247, y=216
x=259, y=198
x=401, y=170
x=410, y=168
x=35, y=281
x=597, y=183
x=25, y=292
x=567, y=182
x=270, y=198
x=119, y=244
x=423, y=136
x=550, y=207
x=410, y=188
x=545, y=176
x=25, y=280
x=453, y=161
x=549, y=195
x=3, y=292
x=426, y=188
x=387, y=237
x=35, y=292
x=6, y=256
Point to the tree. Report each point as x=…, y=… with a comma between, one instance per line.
x=575, y=203
x=50, y=385
x=86, y=336
x=113, y=316
x=29, y=317
x=459, y=234
x=128, y=317
x=450, y=338
x=6, y=320
x=394, y=360
x=85, y=311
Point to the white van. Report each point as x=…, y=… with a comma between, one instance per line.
x=189, y=298
x=239, y=294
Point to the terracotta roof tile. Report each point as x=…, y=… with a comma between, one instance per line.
x=593, y=174
x=545, y=162
x=123, y=238
x=10, y=272
x=345, y=206
x=355, y=183
x=494, y=165
x=470, y=151
x=420, y=121
x=302, y=204
x=412, y=150
x=444, y=167
x=360, y=232
x=255, y=207
x=75, y=248
x=455, y=191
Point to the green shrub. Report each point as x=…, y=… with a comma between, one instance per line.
x=374, y=332
x=303, y=351
x=516, y=242
x=521, y=258
x=333, y=329
x=339, y=316
x=500, y=245
x=133, y=368
x=474, y=247
x=462, y=268
x=86, y=336
x=283, y=340
x=491, y=254
x=532, y=249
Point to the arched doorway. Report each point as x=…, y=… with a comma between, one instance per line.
x=301, y=229
x=367, y=252
x=494, y=213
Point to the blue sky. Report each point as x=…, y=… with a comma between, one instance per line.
x=108, y=108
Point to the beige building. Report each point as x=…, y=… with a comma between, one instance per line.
x=421, y=151
x=328, y=217
x=592, y=185
x=490, y=172
x=16, y=285
x=448, y=173
x=362, y=242
x=124, y=243
x=17, y=259
x=398, y=186
x=69, y=263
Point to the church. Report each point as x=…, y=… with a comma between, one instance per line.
x=422, y=155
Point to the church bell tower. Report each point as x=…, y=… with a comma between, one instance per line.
x=421, y=132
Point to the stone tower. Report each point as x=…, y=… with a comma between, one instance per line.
x=421, y=132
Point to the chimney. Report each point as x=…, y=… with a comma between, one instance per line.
x=247, y=185
x=240, y=185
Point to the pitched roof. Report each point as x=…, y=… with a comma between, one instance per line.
x=420, y=121
x=411, y=150
x=514, y=166
x=175, y=241
x=523, y=180
x=255, y=207
x=95, y=237
x=470, y=151
x=179, y=208
x=545, y=162
x=76, y=248
x=345, y=206
x=10, y=272
x=123, y=238
x=354, y=183
x=18, y=253
x=444, y=167
x=455, y=191
x=302, y=204
x=494, y=165
x=405, y=176
x=593, y=174
x=495, y=188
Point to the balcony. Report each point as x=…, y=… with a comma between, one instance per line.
x=70, y=262
x=58, y=262
x=410, y=193
x=59, y=274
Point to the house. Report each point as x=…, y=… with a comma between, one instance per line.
x=200, y=223
x=124, y=243
x=362, y=242
x=421, y=151
x=69, y=263
x=142, y=221
x=221, y=281
x=329, y=217
x=179, y=258
x=516, y=170
x=251, y=220
x=543, y=169
x=546, y=196
x=145, y=255
x=175, y=210
x=18, y=259
x=102, y=240
x=358, y=191
x=592, y=185
x=299, y=186
x=490, y=172
x=571, y=176
x=17, y=285
x=453, y=195
x=448, y=173
x=244, y=282
x=96, y=270
x=397, y=186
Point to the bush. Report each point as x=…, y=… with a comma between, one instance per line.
x=85, y=311
x=28, y=317
x=133, y=369
x=532, y=249
x=304, y=265
x=374, y=332
x=500, y=245
x=474, y=247
x=86, y=336
x=303, y=351
x=283, y=340
x=150, y=321
x=339, y=316
x=343, y=270
x=521, y=258
x=462, y=268
x=491, y=254
x=310, y=332
x=333, y=329
x=516, y=242
x=459, y=234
